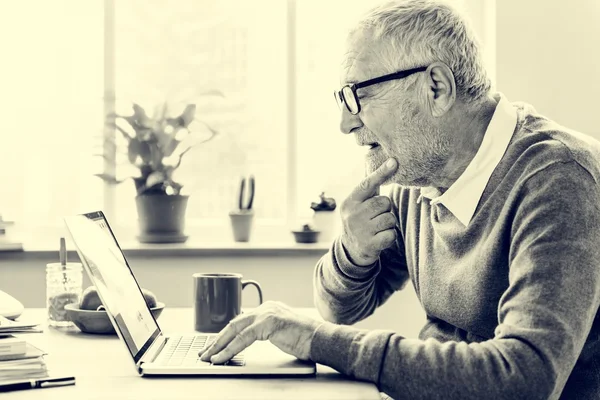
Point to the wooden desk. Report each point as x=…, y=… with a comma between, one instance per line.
x=104, y=370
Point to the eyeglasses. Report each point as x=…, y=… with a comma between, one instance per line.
x=347, y=95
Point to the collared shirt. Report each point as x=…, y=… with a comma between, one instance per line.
x=463, y=195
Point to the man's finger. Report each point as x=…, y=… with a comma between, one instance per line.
x=244, y=339
x=385, y=239
x=226, y=336
x=369, y=186
x=383, y=222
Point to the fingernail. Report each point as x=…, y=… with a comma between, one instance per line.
x=214, y=359
x=391, y=163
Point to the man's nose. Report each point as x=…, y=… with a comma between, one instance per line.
x=349, y=122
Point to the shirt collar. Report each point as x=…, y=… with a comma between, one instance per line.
x=462, y=197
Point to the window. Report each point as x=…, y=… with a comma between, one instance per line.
x=318, y=62
x=178, y=53
x=276, y=61
x=51, y=82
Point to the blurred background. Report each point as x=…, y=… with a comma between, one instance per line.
x=66, y=63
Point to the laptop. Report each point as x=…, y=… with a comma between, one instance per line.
x=153, y=352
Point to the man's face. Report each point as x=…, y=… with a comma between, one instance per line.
x=392, y=116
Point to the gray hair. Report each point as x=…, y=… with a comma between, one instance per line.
x=419, y=32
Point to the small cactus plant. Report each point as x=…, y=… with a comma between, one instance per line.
x=243, y=205
x=241, y=219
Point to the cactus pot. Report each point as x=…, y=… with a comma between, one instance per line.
x=161, y=218
x=241, y=224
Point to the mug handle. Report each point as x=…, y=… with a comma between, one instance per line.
x=258, y=289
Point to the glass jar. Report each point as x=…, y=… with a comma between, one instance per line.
x=63, y=286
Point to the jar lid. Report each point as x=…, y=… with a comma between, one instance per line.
x=58, y=266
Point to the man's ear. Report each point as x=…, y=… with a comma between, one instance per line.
x=441, y=88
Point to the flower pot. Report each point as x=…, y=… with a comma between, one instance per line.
x=241, y=224
x=306, y=236
x=161, y=218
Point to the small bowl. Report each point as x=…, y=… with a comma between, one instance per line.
x=306, y=236
x=91, y=321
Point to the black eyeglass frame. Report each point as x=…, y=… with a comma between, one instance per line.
x=339, y=94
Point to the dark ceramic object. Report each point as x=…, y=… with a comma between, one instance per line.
x=218, y=299
x=306, y=236
x=161, y=218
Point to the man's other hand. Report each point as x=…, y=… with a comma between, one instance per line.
x=273, y=321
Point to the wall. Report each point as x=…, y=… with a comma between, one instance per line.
x=548, y=55
x=282, y=278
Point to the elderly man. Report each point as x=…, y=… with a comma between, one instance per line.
x=494, y=218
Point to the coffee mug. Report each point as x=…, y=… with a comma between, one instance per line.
x=218, y=299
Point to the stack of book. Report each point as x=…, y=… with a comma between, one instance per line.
x=19, y=359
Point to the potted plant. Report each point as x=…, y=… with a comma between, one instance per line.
x=242, y=217
x=306, y=235
x=155, y=146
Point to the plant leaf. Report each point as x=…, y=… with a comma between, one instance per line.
x=168, y=171
x=176, y=186
x=131, y=121
x=134, y=150
x=213, y=131
x=144, y=134
x=188, y=115
x=251, y=190
x=155, y=178
x=164, y=141
x=146, y=152
x=181, y=157
x=141, y=118
x=170, y=147
x=126, y=135
x=155, y=157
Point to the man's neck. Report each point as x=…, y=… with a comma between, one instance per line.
x=469, y=126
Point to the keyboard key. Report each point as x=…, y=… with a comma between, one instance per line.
x=183, y=351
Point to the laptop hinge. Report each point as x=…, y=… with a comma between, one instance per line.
x=153, y=351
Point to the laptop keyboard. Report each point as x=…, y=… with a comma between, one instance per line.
x=183, y=351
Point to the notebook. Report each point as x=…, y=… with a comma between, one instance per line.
x=152, y=351
x=24, y=361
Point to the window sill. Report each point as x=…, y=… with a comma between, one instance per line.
x=191, y=248
x=42, y=243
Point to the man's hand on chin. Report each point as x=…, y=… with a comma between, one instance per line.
x=274, y=321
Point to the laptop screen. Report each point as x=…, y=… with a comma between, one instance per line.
x=110, y=273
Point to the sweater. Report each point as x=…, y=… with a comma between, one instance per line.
x=511, y=298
